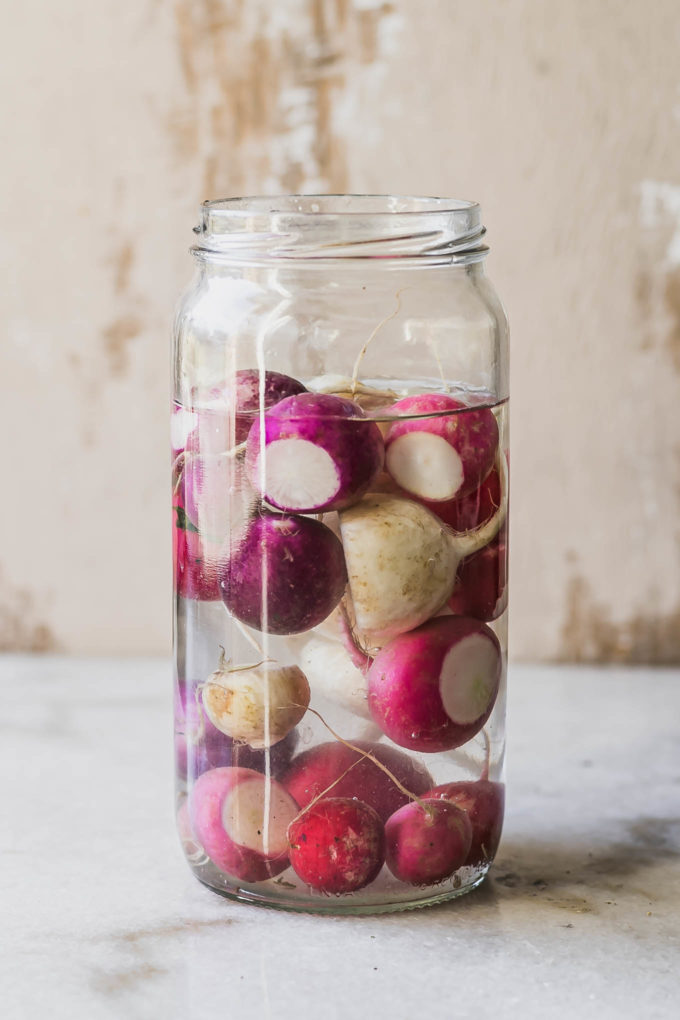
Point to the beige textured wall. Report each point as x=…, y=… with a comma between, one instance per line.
x=562, y=119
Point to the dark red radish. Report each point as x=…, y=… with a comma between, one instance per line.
x=481, y=581
x=286, y=574
x=199, y=746
x=402, y=562
x=484, y=803
x=321, y=453
x=337, y=845
x=434, y=688
x=445, y=454
x=426, y=843
x=313, y=771
x=469, y=512
x=256, y=705
x=241, y=818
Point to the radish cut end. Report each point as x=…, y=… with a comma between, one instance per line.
x=425, y=465
x=298, y=474
x=468, y=678
x=244, y=820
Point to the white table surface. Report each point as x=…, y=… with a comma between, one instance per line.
x=101, y=918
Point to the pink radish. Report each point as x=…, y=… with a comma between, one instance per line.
x=480, y=589
x=196, y=575
x=441, y=457
x=427, y=842
x=285, y=575
x=199, y=746
x=337, y=845
x=434, y=688
x=321, y=453
x=313, y=771
x=241, y=823
x=483, y=802
x=256, y=705
x=402, y=562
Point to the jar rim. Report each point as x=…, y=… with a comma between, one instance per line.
x=340, y=226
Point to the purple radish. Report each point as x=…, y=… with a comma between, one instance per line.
x=442, y=457
x=434, y=688
x=240, y=818
x=286, y=575
x=402, y=562
x=427, y=842
x=251, y=395
x=321, y=453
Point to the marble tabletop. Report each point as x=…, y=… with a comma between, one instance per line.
x=101, y=918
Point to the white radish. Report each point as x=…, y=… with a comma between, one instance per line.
x=331, y=672
x=402, y=561
x=256, y=705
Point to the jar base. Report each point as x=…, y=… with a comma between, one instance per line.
x=330, y=905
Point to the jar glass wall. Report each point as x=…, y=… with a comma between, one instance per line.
x=340, y=494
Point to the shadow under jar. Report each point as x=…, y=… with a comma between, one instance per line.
x=340, y=497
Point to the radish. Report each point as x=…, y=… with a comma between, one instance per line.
x=313, y=771
x=321, y=453
x=196, y=574
x=481, y=582
x=241, y=818
x=256, y=705
x=434, y=688
x=331, y=673
x=337, y=845
x=192, y=848
x=468, y=512
x=441, y=457
x=255, y=391
x=401, y=562
x=483, y=802
x=285, y=575
x=199, y=746
x=427, y=842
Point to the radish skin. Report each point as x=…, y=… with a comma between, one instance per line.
x=337, y=845
x=320, y=453
x=240, y=824
x=440, y=457
x=426, y=843
x=434, y=688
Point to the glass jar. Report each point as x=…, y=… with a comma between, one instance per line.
x=340, y=492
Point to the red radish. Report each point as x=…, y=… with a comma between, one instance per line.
x=480, y=588
x=196, y=575
x=337, y=845
x=483, y=802
x=321, y=453
x=199, y=746
x=401, y=562
x=256, y=705
x=440, y=457
x=434, y=688
x=241, y=823
x=426, y=843
x=313, y=771
x=286, y=574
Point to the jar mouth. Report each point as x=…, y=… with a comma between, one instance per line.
x=341, y=226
